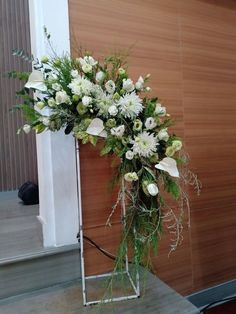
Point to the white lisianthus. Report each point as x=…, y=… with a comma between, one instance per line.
x=56, y=86
x=118, y=131
x=45, y=121
x=169, y=165
x=74, y=73
x=113, y=110
x=128, y=85
x=51, y=102
x=160, y=111
x=26, y=128
x=131, y=176
x=110, y=86
x=86, y=100
x=87, y=60
x=81, y=86
x=150, y=123
x=163, y=135
x=148, y=89
x=130, y=105
x=145, y=144
x=40, y=105
x=152, y=189
x=100, y=76
x=177, y=145
x=129, y=155
x=62, y=98
x=140, y=83
x=87, y=68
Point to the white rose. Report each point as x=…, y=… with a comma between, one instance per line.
x=100, y=76
x=131, y=176
x=56, y=86
x=129, y=155
x=163, y=135
x=62, y=98
x=45, y=121
x=74, y=73
x=139, y=84
x=161, y=111
x=118, y=131
x=26, y=128
x=113, y=110
x=152, y=189
x=110, y=86
x=128, y=85
x=150, y=123
x=87, y=68
x=86, y=100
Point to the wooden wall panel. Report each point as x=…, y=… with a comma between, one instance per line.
x=209, y=93
x=17, y=153
x=189, y=48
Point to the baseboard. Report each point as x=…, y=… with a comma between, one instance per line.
x=204, y=297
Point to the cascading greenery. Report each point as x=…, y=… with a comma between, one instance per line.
x=98, y=101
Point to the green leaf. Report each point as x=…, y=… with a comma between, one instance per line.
x=172, y=187
x=106, y=149
x=93, y=140
x=29, y=113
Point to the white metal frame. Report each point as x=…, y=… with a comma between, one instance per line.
x=135, y=286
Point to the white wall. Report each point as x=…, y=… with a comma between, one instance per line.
x=55, y=151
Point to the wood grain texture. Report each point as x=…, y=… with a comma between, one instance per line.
x=189, y=48
x=17, y=152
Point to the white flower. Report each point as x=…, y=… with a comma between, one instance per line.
x=45, y=121
x=113, y=110
x=163, y=135
x=96, y=128
x=56, y=86
x=140, y=83
x=26, y=128
x=36, y=81
x=87, y=68
x=40, y=105
x=51, y=102
x=103, y=103
x=87, y=60
x=110, y=86
x=86, y=100
x=130, y=105
x=145, y=144
x=152, y=189
x=81, y=86
x=74, y=73
x=118, y=131
x=62, y=98
x=131, y=176
x=100, y=76
x=150, y=123
x=148, y=89
x=169, y=165
x=129, y=155
x=161, y=111
x=177, y=145
x=128, y=85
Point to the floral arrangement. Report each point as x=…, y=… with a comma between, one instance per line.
x=99, y=102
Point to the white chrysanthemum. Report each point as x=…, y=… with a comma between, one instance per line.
x=81, y=86
x=130, y=105
x=103, y=103
x=145, y=144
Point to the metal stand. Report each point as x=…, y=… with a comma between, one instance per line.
x=134, y=285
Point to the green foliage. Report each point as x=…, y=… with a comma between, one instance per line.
x=29, y=113
x=172, y=187
x=22, y=76
x=23, y=54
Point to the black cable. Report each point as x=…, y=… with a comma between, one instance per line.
x=218, y=301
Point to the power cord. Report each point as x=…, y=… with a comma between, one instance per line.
x=218, y=301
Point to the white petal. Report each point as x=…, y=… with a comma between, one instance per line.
x=36, y=81
x=169, y=165
x=96, y=127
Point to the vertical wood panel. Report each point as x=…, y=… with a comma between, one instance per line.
x=17, y=153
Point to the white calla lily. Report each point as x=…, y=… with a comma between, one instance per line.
x=36, y=81
x=169, y=165
x=96, y=127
